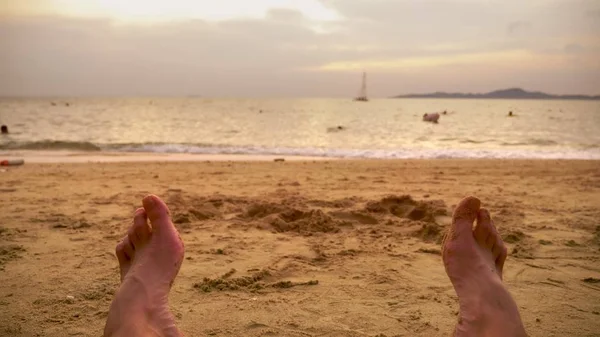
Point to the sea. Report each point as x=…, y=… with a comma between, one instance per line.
x=336, y=128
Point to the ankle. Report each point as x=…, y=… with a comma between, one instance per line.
x=488, y=324
x=489, y=310
x=142, y=324
x=132, y=329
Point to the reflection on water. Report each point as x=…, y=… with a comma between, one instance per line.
x=380, y=128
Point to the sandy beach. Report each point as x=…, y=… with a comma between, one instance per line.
x=303, y=248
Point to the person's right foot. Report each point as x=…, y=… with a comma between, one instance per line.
x=474, y=259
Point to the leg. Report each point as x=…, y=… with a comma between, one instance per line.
x=474, y=259
x=149, y=260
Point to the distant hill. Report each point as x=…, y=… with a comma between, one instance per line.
x=512, y=93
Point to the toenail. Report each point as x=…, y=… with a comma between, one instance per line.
x=150, y=200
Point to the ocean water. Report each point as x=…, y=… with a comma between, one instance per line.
x=384, y=128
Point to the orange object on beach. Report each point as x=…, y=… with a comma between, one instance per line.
x=12, y=162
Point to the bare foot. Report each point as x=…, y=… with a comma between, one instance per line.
x=149, y=260
x=474, y=259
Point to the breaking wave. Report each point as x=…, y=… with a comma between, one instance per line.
x=407, y=153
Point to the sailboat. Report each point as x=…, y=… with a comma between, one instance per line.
x=362, y=95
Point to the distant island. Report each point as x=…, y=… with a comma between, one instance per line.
x=512, y=93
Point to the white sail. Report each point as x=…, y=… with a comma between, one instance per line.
x=362, y=95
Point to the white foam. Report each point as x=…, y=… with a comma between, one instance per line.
x=589, y=154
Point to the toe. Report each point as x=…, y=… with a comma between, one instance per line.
x=460, y=232
x=121, y=255
x=488, y=237
x=501, y=259
x=485, y=233
x=133, y=238
x=139, y=232
x=124, y=261
x=157, y=212
x=464, y=215
x=128, y=248
x=490, y=242
x=499, y=250
x=498, y=247
x=483, y=227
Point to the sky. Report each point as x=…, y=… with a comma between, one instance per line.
x=296, y=48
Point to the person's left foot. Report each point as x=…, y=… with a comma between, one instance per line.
x=149, y=260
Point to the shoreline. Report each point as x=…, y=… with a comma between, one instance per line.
x=63, y=157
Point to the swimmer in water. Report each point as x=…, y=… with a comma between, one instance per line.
x=4, y=130
x=433, y=117
x=336, y=128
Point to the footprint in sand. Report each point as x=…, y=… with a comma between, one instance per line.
x=406, y=207
x=359, y=217
x=10, y=252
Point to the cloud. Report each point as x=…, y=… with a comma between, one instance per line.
x=164, y=11
x=518, y=28
x=594, y=13
x=285, y=15
x=412, y=44
x=63, y=56
x=574, y=48
x=512, y=58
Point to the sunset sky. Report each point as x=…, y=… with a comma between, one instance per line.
x=296, y=48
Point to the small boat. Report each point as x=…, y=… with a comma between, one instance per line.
x=362, y=95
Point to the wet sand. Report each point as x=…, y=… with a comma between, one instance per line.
x=323, y=248
x=54, y=157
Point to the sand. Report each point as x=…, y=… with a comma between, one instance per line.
x=325, y=248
